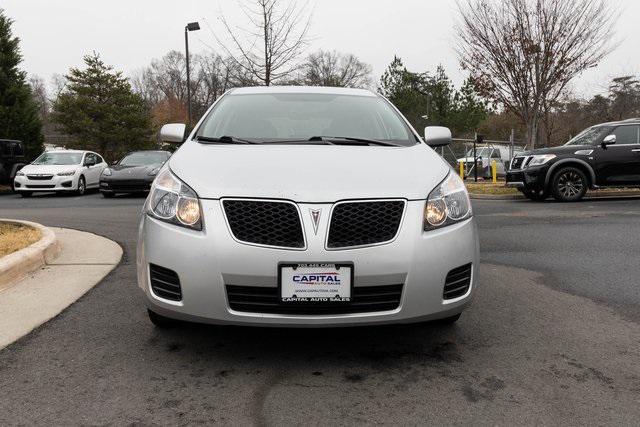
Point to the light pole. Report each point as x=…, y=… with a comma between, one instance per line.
x=191, y=26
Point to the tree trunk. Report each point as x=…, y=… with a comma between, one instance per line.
x=532, y=132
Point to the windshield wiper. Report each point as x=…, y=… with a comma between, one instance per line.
x=354, y=139
x=224, y=140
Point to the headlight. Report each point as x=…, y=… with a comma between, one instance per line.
x=172, y=201
x=19, y=173
x=541, y=159
x=447, y=204
x=66, y=173
x=107, y=172
x=154, y=172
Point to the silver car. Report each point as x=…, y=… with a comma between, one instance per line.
x=306, y=206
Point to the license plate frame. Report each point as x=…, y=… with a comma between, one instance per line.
x=320, y=301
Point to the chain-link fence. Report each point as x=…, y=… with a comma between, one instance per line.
x=461, y=151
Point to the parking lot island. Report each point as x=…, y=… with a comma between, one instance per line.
x=18, y=264
x=70, y=263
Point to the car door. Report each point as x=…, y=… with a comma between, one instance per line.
x=619, y=163
x=100, y=165
x=91, y=173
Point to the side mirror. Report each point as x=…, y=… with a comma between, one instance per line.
x=89, y=163
x=437, y=136
x=608, y=140
x=173, y=133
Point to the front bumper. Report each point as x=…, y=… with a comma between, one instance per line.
x=125, y=185
x=207, y=261
x=530, y=178
x=56, y=183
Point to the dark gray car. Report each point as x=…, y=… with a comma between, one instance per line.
x=134, y=173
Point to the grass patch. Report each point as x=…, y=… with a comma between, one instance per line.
x=14, y=237
x=490, y=188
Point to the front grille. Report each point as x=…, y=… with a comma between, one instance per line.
x=518, y=163
x=165, y=283
x=41, y=186
x=457, y=282
x=129, y=185
x=365, y=299
x=364, y=223
x=266, y=223
x=39, y=177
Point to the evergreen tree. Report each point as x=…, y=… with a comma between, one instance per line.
x=408, y=91
x=426, y=99
x=101, y=112
x=18, y=111
x=470, y=110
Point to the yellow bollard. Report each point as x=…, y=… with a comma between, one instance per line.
x=494, y=171
x=461, y=169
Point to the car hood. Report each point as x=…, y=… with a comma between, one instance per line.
x=562, y=149
x=132, y=171
x=47, y=169
x=309, y=173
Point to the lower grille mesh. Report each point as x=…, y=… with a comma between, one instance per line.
x=366, y=299
x=165, y=283
x=457, y=282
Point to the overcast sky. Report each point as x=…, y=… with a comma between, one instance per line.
x=128, y=34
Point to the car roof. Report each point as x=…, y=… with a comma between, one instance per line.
x=301, y=89
x=149, y=151
x=68, y=151
x=633, y=121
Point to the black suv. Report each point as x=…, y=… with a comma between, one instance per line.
x=605, y=155
x=12, y=158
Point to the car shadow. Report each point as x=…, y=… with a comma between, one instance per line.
x=388, y=345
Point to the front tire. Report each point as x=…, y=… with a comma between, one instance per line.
x=161, y=321
x=569, y=184
x=108, y=195
x=82, y=186
x=535, y=195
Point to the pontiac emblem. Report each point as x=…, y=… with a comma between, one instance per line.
x=315, y=218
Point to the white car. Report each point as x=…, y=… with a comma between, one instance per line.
x=60, y=171
x=306, y=206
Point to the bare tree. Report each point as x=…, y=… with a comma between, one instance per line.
x=214, y=75
x=59, y=82
x=163, y=84
x=39, y=91
x=523, y=53
x=325, y=68
x=268, y=49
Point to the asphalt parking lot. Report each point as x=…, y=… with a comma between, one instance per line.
x=552, y=338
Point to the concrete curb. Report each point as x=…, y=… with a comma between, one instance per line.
x=590, y=195
x=496, y=196
x=18, y=264
x=84, y=260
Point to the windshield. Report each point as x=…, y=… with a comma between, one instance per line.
x=144, y=159
x=590, y=136
x=480, y=152
x=58, y=159
x=300, y=116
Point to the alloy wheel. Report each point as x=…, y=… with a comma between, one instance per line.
x=81, y=186
x=570, y=184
